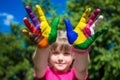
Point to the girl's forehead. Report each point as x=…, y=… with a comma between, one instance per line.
x=62, y=49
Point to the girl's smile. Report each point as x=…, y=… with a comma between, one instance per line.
x=61, y=61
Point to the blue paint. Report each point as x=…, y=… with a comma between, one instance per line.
x=72, y=35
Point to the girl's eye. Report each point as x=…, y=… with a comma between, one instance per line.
x=55, y=53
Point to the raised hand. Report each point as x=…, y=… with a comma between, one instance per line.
x=83, y=35
x=40, y=31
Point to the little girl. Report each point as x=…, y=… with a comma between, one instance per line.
x=60, y=61
x=54, y=58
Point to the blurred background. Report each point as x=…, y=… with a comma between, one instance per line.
x=16, y=49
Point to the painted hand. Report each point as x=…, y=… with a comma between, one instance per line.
x=83, y=35
x=40, y=31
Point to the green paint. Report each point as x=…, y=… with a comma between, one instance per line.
x=53, y=33
x=91, y=39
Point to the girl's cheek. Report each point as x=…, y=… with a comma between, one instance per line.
x=53, y=57
x=70, y=60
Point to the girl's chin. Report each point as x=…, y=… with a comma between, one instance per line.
x=60, y=68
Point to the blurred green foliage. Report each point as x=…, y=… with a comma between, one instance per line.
x=16, y=49
x=15, y=57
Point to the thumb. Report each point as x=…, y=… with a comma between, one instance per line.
x=72, y=35
x=68, y=25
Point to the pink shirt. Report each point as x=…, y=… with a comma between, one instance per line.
x=51, y=75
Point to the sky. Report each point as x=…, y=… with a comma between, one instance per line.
x=14, y=11
x=11, y=11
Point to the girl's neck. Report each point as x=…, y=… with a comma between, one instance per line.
x=60, y=72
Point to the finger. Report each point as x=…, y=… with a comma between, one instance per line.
x=93, y=16
x=40, y=13
x=55, y=23
x=31, y=27
x=32, y=36
x=96, y=23
x=28, y=34
x=72, y=35
x=85, y=15
x=68, y=25
x=53, y=33
x=89, y=29
x=87, y=32
x=33, y=18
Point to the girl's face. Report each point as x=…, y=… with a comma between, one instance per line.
x=61, y=60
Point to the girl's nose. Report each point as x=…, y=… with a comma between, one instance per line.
x=60, y=57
